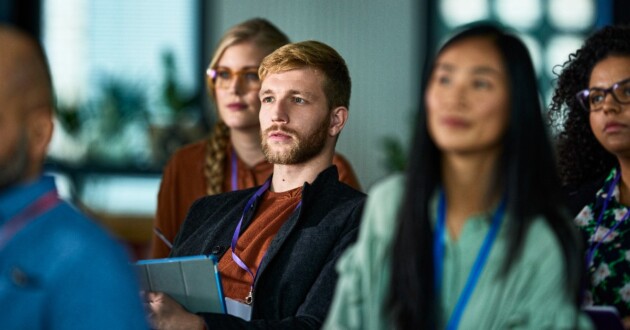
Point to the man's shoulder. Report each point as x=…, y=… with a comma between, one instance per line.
x=68, y=225
x=65, y=235
x=327, y=184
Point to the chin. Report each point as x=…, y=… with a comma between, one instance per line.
x=618, y=150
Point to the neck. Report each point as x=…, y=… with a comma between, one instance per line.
x=287, y=177
x=247, y=146
x=624, y=182
x=467, y=180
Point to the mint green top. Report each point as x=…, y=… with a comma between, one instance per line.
x=530, y=296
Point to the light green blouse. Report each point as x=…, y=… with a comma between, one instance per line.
x=531, y=296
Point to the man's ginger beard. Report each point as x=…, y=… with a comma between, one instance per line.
x=303, y=148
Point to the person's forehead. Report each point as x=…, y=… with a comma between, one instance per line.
x=471, y=54
x=302, y=76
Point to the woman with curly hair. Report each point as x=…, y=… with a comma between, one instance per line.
x=591, y=110
x=231, y=158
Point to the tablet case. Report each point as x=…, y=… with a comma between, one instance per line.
x=193, y=281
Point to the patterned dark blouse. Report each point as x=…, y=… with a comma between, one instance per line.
x=609, y=271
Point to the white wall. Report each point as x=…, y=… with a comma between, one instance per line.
x=378, y=41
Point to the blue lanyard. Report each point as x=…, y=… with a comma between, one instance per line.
x=237, y=233
x=593, y=247
x=482, y=257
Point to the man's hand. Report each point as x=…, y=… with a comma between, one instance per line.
x=165, y=313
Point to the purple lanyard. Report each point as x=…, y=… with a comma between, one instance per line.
x=20, y=220
x=593, y=248
x=249, y=299
x=234, y=170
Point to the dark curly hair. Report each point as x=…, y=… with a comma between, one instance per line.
x=580, y=156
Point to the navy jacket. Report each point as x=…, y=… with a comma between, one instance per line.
x=296, y=279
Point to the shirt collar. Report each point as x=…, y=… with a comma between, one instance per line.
x=16, y=198
x=601, y=194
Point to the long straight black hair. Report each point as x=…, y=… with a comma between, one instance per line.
x=525, y=173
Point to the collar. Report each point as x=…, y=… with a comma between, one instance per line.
x=601, y=194
x=16, y=198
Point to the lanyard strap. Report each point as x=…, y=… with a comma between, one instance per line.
x=482, y=257
x=234, y=171
x=592, y=245
x=237, y=233
x=30, y=213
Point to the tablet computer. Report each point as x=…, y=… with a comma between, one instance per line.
x=604, y=317
x=193, y=281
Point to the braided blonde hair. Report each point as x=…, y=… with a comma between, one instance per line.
x=264, y=35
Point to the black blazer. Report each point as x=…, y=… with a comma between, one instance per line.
x=296, y=279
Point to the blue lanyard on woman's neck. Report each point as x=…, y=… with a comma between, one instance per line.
x=593, y=247
x=438, y=258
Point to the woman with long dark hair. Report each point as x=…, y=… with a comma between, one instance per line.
x=474, y=235
x=591, y=109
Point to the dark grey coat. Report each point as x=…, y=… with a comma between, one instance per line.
x=296, y=279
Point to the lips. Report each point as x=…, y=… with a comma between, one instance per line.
x=237, y=106
x=277, y=134
x=613, y=127
x=455, y=122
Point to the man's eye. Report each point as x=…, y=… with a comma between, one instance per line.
x=267, y=99
x=299, y=100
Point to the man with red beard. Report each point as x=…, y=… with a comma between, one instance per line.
x=278, y=243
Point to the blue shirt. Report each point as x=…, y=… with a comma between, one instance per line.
x=62, y=271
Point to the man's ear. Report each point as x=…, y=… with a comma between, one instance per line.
x=338, y=119
x=40, y=127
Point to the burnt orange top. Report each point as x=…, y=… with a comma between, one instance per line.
x=273, y=210
x=183, y=182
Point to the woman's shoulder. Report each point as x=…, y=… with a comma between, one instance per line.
x=541, y=241
x=190, y=154
x=579, y=195
x=382, y=206
x=388, y=189
x=190, y=150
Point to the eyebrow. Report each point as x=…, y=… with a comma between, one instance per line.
x=269, y=91
x=444, y=66
x=249, y=67
x=486, y=70
x=307, y=94
x=265, y=92
x=476, y=70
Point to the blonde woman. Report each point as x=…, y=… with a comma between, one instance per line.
x=231, y=158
